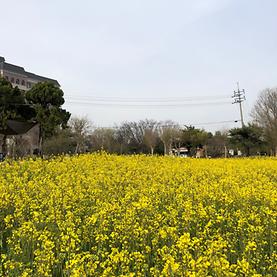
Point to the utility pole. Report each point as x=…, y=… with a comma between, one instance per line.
x=239, y=97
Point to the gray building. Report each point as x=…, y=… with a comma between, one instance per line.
x=20, y=78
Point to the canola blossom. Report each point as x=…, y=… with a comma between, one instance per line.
x=108, y=215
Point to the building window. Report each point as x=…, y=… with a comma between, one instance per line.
x=7, y=78
x=23, y=83
x=28, y=85
x=17, y=81
x=12, y=79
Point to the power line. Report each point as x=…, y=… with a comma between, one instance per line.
x=140, y=104
x=176, y=125
x=158, y=102
x=217, y=122
x=148, y=105
x=127, y=99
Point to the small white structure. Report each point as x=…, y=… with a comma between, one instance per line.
x=180, y=152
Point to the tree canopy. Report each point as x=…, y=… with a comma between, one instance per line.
x=250, y=138
x=47, y=100
x=193, y=137
x=13, y=105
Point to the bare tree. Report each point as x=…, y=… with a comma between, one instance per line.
x=168, y=131
x=150, y=137
x=104, y=139
x=134, y=131
x=136, y=135
x=265, y=115
x=122, y=137
x=80, y=128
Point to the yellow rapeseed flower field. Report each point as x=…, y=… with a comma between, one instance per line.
x=108, y=215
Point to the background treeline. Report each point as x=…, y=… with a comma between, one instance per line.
x=258, y=137
x=59, y=134
x=153, y=137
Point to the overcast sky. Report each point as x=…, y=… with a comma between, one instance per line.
x=146, y=49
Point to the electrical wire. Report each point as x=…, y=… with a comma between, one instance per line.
x=145, y=100
x=217, y=122
x=145, y=105
x=174, y=125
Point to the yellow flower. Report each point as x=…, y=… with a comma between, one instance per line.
x=108, y=215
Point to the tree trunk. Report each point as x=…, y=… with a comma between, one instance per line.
x=152, y=151
x=206, y=151
x=165, y=149
x=4, y=145
x=77, y=148
x=13, y=148
x=170, y=148
x=247, y=151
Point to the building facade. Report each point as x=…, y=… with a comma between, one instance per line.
x=20, y=78
x=18, y=141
